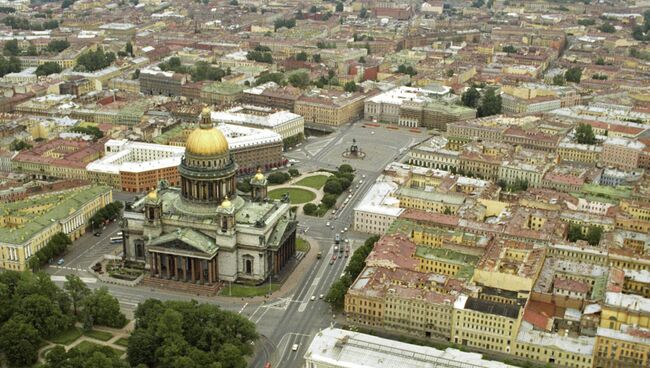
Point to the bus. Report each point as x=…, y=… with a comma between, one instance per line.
x=116, y=239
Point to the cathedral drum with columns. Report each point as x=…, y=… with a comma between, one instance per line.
x=203, y=232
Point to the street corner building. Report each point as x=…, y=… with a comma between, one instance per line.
x=203, y=232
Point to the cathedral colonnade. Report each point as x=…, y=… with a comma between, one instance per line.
x=183, y=268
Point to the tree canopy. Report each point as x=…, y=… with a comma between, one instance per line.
x=585, y=134
x=471, y=97
x=48, y=68
x=573, y=74
x=91, y=61
x=9, y=65
x=490, y=103
x=189, y=334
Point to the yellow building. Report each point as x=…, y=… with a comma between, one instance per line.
x=629, y=348
x=620, y=309
x=26, y=226
x=573, y=152
x=429, y=201
x=485, y=324
x=330, y=108
x=513, y=267
x=636, y=210
x=552, y=348
x=445, y=262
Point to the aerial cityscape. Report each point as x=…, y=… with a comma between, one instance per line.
x=325, y=183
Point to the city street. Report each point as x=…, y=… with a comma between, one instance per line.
x=294, y=318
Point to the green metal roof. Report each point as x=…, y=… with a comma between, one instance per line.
x=53, y=208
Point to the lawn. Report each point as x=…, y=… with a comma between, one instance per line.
x=85, y=345
x=316, y=181
x=296, y=195
x=122, y=341
x=99, y=335
x=67, y=337
x=302, y=245
x=237, y=290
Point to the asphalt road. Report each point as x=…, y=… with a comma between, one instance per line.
x=295, y=318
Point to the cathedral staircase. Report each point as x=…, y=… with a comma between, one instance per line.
x=185, y=287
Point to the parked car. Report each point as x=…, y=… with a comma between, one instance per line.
x=60, y=261
x=294, y=347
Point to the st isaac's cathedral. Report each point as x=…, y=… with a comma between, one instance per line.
x=203, y=232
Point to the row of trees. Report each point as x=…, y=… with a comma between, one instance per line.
x=33, y=309
x=260, y=56
x=201, y=70
x=188, y=334
x=407, y=69
x=336, y=294
x=56, y=246
x=19, y=145
x=22, y=23
x=89, y=130
x=334, y=186
x=91, y=61
x=286, y=23
x=9, y=65
x=593, y=235
x=109, y=212
x=48, y=68
x=486, y=105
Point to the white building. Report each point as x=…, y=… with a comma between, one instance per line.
x=378, y=209
x=285, y=123
x=26, y=75
x=386, y=106
x=336, y=348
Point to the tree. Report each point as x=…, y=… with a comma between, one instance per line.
x=315, y=58
x=404, y=69
x=67, y=3
x=607, y=28
x=76, y=289
x=136, y=74
x=278, y=178
x=350, y=87
x=559, y=80
x=584, y=134
x=336, y=294
x=91, y=61
x=19, y=342
x=586, y=22
x=129, y=48
x=346, y=168
x=11, y=48
x=309, y=209
x=509, y=49
x=19, y=145
x=471, y=97
x=301, y=56
x=490, y=104
x=244, y=186
x=573, y=74
x=48, y=68
x=594, y=234
x=339, y=7
x=575, y=233
x=103, y=308
x=294, y=172
x=362, y=60
x=57, y=45
x=363, y=13
x=332, y=186
x=600, y=61
x=329, y=200
x=299, y=79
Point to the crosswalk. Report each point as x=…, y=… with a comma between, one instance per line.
x=78, y=269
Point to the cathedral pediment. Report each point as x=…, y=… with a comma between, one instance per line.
x=184, y=241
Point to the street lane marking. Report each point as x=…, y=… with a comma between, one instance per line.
x=242, y=308
x=86, y=280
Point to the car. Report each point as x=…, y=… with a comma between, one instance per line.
x=333, y=212
x=320, y=296
x=313, y=297
x=336, y=247
x=361, y=181
x=327, y=224
x=342, y=231
x=294, y=347
x=60, y=261
x=345, y=229
x=372, y=132
x=334, y=257
x=332, y=227
x=363, y=176
x=319, y=255
x=347, y=240
x=343, y=274
x=98, y=233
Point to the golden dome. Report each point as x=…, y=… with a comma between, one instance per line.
x=259, y=176
x=206, y=110
x=153, y=194
x=206, y=142
x=226, y=203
